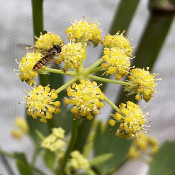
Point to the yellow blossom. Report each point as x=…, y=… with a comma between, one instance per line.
x=141, y=82
x=131, y=119
x=116, y=61
x=86, y=98
x=72, y=54
x=144, y=146
x=22, y=124
x=47, y=40
x=54, y=142
x=17, y=134
x=84, y=32
x=77, y=162
x=118, y=41
x=41, y=103
x=26, y=67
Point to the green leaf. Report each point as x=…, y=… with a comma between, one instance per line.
x=22, y=164
x=49, y=159
x=23, y=168
x=163, y=161
x=107, y=142
x=20, y=156
x=101, y=159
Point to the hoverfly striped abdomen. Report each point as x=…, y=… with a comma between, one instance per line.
x=50, y=55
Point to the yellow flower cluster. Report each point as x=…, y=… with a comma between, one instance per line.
x=119, y=41
x=131, y=119
x=71, y=54
x=22, y=128
x=117, y=55
x=54, y=142
x=142, y=83
x=115, y=61
x=77, y=162
x=143, y=147
x=86, y=98
x=84, y=32
x=26, y=67
x=40, y=103
x=47, y=40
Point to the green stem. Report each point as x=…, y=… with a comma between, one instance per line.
x=111, y=104
x=7, y=154
x=90, y=68
x=94, y=70
x=71, y=145
x=35, y=154
x=71, y=73
x=107, y=80
x=37, y=9
x=31, y=166
x=67, y=84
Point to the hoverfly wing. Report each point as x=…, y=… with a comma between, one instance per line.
x=31, y=48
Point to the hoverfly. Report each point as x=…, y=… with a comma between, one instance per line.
x=49, y=54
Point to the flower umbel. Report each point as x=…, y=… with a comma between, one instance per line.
x=77, y=162
x=141, y=82
x=116, y=61
x=86, y=98
x=84, y=32
x=72, y=54
x=22, y=128
x=54, y=142
x=118, y=41
x=131, y=119
x=143, y=147
x=26, y=67
x=47, y=40
x=41, y=103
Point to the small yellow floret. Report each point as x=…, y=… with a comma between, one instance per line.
x=116, y=61
x=119, y=41
x=72, y=55
x=26, y=67
x=40, y=103
x=142, y=83
x=86, y=98
x=84, y=32
x=47, y=40
x=131, y=119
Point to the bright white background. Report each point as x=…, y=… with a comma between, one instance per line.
x=16, y=27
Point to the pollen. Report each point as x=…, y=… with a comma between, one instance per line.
x=71, y=55
x=131, y=118
x=41, y=103
x=86, y=98
x=84, y=32
x=47, y=40
x=116, y=62
x=26, y=67
x=119, y=41
x=142, y=83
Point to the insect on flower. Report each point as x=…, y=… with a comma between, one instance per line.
x=49, y=54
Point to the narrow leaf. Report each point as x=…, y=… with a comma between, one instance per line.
x=163, y=161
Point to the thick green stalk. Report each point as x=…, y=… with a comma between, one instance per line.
x=71, y=146
x=37, y=10
x=121, y=21
x=151, y=42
